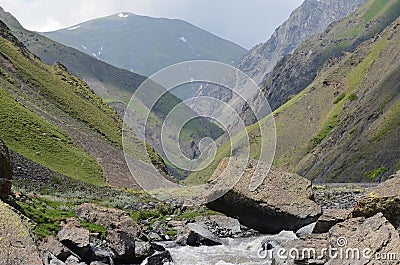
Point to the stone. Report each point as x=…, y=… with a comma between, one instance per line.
x=52, y=247
x=122, y=245
x=385, y=198
x=72, y=260
x=355, y=236
x=108, y=217
x=281, y=201
x=160, y=258
x=5, y=171
x=195, y=235
x=220, y=225
x=55, y=261
x=76, y=238
x=17, y=242
x=329, y=218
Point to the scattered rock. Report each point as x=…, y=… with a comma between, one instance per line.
x=51, y=247
x=282, y=201
x=385, y=199
x=196, y=235
x=160, y=258
x=374, y=233
x=17, y=244
x=330, y=218
x=72, y=260
x=5, y=171
x=220, y=225
x=76, y=238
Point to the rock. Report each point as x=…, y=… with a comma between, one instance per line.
x=154, y=236
x=109, y=218
x=329, y=218
x=143, y=250
x=72, y=260
x=270, y=242
x=76, y=238
x=196, y=235
x=219, y=225
x=306, y=230
x=122, y=245
x=5, y=171
x=98, y=263
x=55, y=261
x=17, y=244
x=385, y=198
x=282, y=201
x=51, y=247
x=375, y=235
x=160, y=258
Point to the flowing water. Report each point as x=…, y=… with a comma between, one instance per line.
x=233, y=251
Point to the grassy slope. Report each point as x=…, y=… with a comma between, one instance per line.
x=306, y=122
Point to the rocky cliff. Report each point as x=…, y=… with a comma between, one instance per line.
x=312, y=17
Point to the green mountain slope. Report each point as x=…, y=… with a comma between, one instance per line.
x=344, y=126
x=115, y=86
x=145, y=45
x=54, y=119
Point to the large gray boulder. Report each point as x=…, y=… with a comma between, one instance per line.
x=282, y=201
x=75, y=238
x=359, y=239
x=196, y=235
x=329, y=218
x=5, y=171
x=385, y=199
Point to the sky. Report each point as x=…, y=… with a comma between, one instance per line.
x=246, y=23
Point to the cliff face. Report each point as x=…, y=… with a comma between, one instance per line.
x=312, y=17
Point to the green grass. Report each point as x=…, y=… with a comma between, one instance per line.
x=65, y=91
x=374, y=9
x=373, y=174
x=94, y=228
x=352, y=97
x=339, y=98
x=28, y=134
x=330, y=124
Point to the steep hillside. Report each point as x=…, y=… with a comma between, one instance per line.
x=54, y=119
x=115, y=86
x=312, y=17
x=296, y=71
x=145, y=45
x=344, y=126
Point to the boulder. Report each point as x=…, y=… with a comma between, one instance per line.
x=72, y=260
x=220, y=225
x=160, y=258
x=385, y=198
x=329, y=218
x=359, y=239
x=280, y=201
x=76, y=238
x=5, y=171
x=17, y=244
x=195, y=235
x=108, y=217
x=122, y=245
x=50, y=247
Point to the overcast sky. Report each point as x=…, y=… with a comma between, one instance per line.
x=244, y=22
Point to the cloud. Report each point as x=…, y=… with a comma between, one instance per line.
x=246, y=23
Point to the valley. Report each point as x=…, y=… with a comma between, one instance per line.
x=233, y=159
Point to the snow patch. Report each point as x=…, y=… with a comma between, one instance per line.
x=122, y=15
x=183, y=39
x=75, y=27
x=83, y=46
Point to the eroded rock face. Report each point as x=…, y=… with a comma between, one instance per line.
x=357, y=234
x=17, y=246
x=385, y=199
x=282, y=201
x=75, y=238
x=5, y=171
x=330, y=218
x=196, y=235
